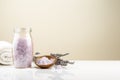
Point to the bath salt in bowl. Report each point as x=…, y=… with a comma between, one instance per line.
x=45, y=61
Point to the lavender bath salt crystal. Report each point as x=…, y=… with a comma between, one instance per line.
x=45, y=61
x=22, y=50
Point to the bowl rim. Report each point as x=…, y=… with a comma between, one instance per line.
x=45, y=66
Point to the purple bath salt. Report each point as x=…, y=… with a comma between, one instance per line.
x=22, y=51
x=45, y=61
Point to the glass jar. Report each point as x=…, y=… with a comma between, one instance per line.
x=22, y=48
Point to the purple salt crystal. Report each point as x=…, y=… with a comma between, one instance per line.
x=45, y=61
x=23, y=53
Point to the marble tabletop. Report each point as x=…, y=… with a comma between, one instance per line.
x=81, y=70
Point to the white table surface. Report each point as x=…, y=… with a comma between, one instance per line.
x=81, y=70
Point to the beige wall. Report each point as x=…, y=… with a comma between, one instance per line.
x=88, y=29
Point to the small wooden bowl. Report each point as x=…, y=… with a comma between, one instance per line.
x=45, y=66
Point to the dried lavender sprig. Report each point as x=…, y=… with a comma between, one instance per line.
x=63, y=62
x=59, y=55
x=37, y=53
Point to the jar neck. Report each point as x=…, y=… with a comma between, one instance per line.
x=23, y=30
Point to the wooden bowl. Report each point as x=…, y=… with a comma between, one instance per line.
x=45, y=66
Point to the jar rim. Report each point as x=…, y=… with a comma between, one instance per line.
x=22, y=29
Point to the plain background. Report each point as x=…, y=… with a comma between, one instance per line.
x=88, y=29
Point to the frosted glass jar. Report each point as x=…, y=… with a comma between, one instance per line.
x=22, y=48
